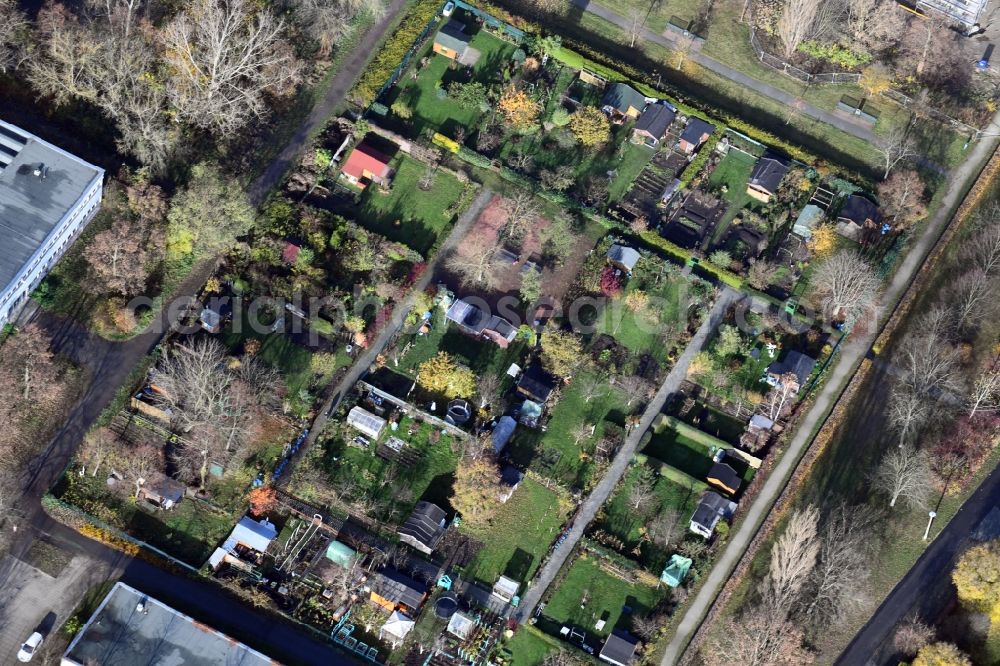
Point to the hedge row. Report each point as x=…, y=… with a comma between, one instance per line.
x=654, y=240
x=695, y=165
x=394, y=50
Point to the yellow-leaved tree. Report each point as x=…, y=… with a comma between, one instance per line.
x=823, y=241
x=518, y=108
x=977, y=576
x=941, y=654
x=476, y=489
x=442, y=375
x=562, y=352
x=590, y=126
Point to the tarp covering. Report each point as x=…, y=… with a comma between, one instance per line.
x=673, y=575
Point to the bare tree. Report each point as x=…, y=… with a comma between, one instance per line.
x=473, y=263
x=581, y=433
x=846, y=283
x=522, y=213
x=488, y=387
x=796, y=23
x=592, y=386
x=778, y=399
x=793, y=558
x=908, y=412
x=838, y=584
x=641, y=496
x=13, y=34
x=982, y=250
x=225, y=56
x=636, y=23
x=971, y=298
x=894, y=147
x=761, y=274
x=905, y=473
x=911, y=635
x=138, y=463
x=873, y=23
x=757, y=638
x=985, y=393
x=328, y=21
x=663, y=528
x=925, y=360
x=634, y=387
x=99, y=445
x=561, y=658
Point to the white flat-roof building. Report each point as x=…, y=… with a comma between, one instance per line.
x=47, y=196
x=130, y=628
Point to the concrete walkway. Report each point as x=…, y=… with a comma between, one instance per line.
x=851, y=354
x=361, y=365
x=668, y=40
x=600, y=494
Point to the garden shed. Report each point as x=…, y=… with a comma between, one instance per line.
x=363, y=420
x=620, y=648
x=162, y=491
x=424, y=528
x=623, y=257
x=506, y=588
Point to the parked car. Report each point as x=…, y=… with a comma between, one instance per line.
x=449, y=7
x=29, y=648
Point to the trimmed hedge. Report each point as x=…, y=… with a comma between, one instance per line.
x=692, y=169
x=653, y=239
x=394, y=50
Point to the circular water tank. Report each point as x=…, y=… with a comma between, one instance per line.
x=446, y=606
x=459, y=411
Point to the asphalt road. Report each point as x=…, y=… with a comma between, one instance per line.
x=858, y=344
x=616, y=470
x=926, y=589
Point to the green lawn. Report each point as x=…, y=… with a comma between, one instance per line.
x=634, y=160
x=408, y=214
x=426, y=97
x=519, y=536
x=553, y=453
x=606, y=596
x=681, y=452
x=641, y=332
x=529, y=647
x=280, y=352
x=733, y=172
x=657, y=14
x=190, y=531
x=673, y=489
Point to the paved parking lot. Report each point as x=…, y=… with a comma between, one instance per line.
x=28, y=596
